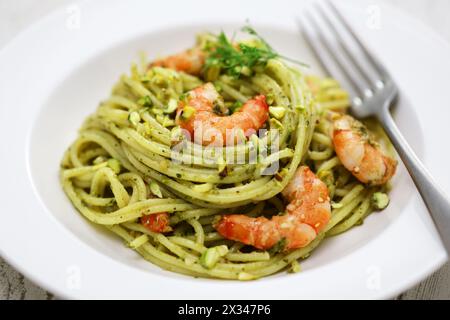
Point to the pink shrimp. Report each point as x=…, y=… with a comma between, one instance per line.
x=207, y=127
x=307, y=213
x=190, y=61
x=358, y=153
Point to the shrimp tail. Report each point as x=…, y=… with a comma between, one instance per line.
x=391, y=168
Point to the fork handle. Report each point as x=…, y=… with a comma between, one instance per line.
x=435, y=199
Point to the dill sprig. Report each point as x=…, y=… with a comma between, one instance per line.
x=241, y=59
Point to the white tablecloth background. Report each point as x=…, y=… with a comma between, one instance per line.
x=16, y=15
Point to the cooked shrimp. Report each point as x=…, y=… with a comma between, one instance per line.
x=208, y=127
x=190, y=61
x=156, y=222
x=307, y=214
x=359, y=153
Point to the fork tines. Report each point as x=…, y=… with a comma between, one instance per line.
x=341, y=53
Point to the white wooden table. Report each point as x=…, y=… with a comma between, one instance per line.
x=17, y=15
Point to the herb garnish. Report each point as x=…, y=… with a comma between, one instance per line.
x=241, y=59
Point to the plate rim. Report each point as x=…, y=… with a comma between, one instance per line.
x=48, y=18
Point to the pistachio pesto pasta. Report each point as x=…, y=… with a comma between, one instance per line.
x=132, y=163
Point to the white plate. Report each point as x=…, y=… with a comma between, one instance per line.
x=54, y=74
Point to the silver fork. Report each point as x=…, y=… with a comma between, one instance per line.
x=372, y=92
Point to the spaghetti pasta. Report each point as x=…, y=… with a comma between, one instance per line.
x=130, y=161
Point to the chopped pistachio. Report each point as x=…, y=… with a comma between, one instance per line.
x=270, y=99
x=275, y=123
x=277, y=112
x=157, y=111
x=204, y=187
x=336, y=205
x=211, y=256
x=246, y=276
x=139, y=241
x=222, y=250
x=114, y=164
x=171, y=106
x=295, y=267
x=99, y=160
x=134, y=117
x=246, y=71
x=154, y=188
x=165, y=121
x=380, y=200
x=145, y=101
x=218, y=87
x=187, y=112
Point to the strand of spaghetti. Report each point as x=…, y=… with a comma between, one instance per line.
x=107, y=142
x=215, y=198
x=233, y=93
x=133, y=180
x=198, y=228
x=209, y=237
x=79, y=171
x=323, y=139
x=93, y=200
x=139, y=89
x=89, y=154
x=340, y=214
x=188, y=244
x=174, y=248
x=121, y=232
x=351, y=194
x=329, y=164
x=253, y=256
x=119, y=191
x=121, y=102
x=356, y=216
x=192, y=214
x=128, y=213
x=281, y=263
x=188, y=173
x=321, y=155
